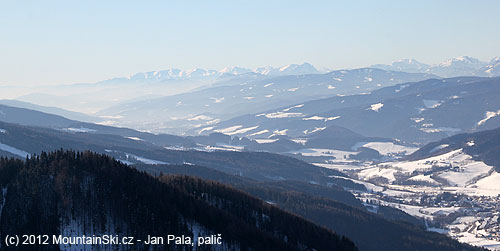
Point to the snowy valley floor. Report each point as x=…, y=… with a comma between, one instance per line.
x=453, y=193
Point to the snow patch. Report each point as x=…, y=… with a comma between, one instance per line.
x=217, y=100
x=448, y=130
x=80, y=130
x=321, y=118
x=424, y=178
x=437, y=148
x=432, y=103
x=300, y=141
x=212, y=122
x=376, y=107
x=332, y=118
x=386, y=148
x=293, y=107
x=200, y=117
x=487, y=116
x=316, y=129
x=278, y=132
x=242, y=130
x=135, y=138
x=146, y=160
x=375, y=172
x=258, y=133
x=229, y=129
x=280, y=115
x=14, y=150
x=265, y=141
x=491, y=182
x=314, y=118
x=321, y=152
x=205, y=129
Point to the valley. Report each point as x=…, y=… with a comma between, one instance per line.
x=397, y=148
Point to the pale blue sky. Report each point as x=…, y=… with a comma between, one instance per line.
x=86, y=41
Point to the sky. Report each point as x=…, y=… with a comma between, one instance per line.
x=62, y=42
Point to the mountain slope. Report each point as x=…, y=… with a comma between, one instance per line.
x=205, y=108
x=51, y=110
x=29, y=117
x=92, y=194
x=262, y=166
x=483, y=146
x=321, y=205
x=418, y=112
x=492, y=69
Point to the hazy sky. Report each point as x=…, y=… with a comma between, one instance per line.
x=86, y=41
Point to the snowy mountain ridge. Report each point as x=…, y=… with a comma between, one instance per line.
x=174, y=73
x=453, y=67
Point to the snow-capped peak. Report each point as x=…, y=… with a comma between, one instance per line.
x=291, y=69
x=495, y=60
x=493, y=67
x=235, y=70
x=406, y=65
x=409, y=62
x=463, y=61
x=173, y=73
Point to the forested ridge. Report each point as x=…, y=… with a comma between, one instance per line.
x=334, y=208
x=75, y=193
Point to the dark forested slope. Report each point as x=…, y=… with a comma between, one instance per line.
x=334, y=208
x=75, y=193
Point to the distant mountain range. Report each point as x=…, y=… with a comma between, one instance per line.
x=243, y=94
x=454, y=67
x=198, y=73
x=95, y=97
x=418, y=112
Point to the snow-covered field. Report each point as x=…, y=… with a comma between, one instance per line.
x=339, y=155
x=456, y=194
x=454, y=169
x=386, y=148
